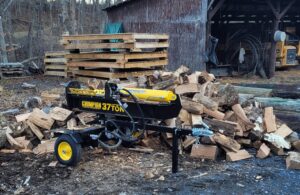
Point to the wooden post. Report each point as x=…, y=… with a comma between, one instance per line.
x=202, y=32
x=2, y=43
x=278, y=16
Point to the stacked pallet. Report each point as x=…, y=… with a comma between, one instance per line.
x=11, y=69
x=55, y=64
x=116, y=56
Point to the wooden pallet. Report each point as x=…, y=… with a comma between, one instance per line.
x=130, y=41
x=55, y=64
x=11, y=69
x=118, y=60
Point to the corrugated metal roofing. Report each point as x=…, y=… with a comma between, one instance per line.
x=117, y=4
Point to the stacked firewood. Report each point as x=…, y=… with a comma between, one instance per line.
x=238, y=124
x=242, y=127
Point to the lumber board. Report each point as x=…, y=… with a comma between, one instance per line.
x=55, y=54
x=150, y=36
x=150, y=45
x=146, y=64
x=112, y=75
x=56, y=67
x=117, y=56
x=88, y=64
x=140, y=64
x=55, y=60
x=91, y=37
x=99, y=46
x=123, y=36
x=55, y=73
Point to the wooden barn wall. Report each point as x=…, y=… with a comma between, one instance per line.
x=180, y=19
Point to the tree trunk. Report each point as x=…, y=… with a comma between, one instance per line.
x=73, y=22
x=2, y=43
x=272, y=61
x=280, y=103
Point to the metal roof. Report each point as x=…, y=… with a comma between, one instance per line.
x=117, y=4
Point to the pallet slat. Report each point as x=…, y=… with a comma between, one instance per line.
x=113, y=75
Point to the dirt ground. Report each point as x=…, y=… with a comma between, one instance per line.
x=128, y=172
x=123, y=172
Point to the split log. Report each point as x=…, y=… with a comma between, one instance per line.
x=71, y=124
x=187, y=89
x=14, y=143
x=190, y=140
x=284, y=131
x=239, y=155
x=263, y=152
x=293, y=160
x=296, y=145
x=227, y=128
x=181, y=70
x=196, y=120
x=41, y=119
x=240, y=113
x=205, y=151
x=22, y=117
x=35, y=130
x=215, y=114
x=269, y=120
x=206, y=101
x=46, y=146
x=60, y=114
x=227, y=142
x=228, y=96
x=185, y=117
x=191, y=106
x=165, y=84
x=86, y=117
x=26, y=144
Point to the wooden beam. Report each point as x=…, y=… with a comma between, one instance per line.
x=213, y=12
x=287, y=8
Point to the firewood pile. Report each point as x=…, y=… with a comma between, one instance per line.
x=242, y=128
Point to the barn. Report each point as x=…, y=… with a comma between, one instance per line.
x=195, y=26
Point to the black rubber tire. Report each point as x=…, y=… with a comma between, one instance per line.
x=76, y=150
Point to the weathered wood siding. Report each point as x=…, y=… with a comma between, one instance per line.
x=184, y=21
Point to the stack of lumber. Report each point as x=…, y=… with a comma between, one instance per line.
x=55, y=64
x=11, y=69
x=116, y=56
